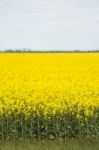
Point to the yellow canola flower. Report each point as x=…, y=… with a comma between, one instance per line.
x=49, y=84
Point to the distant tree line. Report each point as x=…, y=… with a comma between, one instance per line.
x=47, y=51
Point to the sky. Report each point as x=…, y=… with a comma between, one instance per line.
x=49, y=24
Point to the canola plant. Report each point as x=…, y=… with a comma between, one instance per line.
x=49, y=95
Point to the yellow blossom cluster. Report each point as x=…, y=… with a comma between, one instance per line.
x=49, y=83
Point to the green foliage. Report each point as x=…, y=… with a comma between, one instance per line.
x=58, y=126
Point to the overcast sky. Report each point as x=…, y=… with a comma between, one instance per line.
x=49, y=24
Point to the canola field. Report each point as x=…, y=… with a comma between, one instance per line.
x=49, y=95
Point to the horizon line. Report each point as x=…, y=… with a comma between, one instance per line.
x=47, y=51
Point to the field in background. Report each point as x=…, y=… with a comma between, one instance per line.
x=49, y=95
